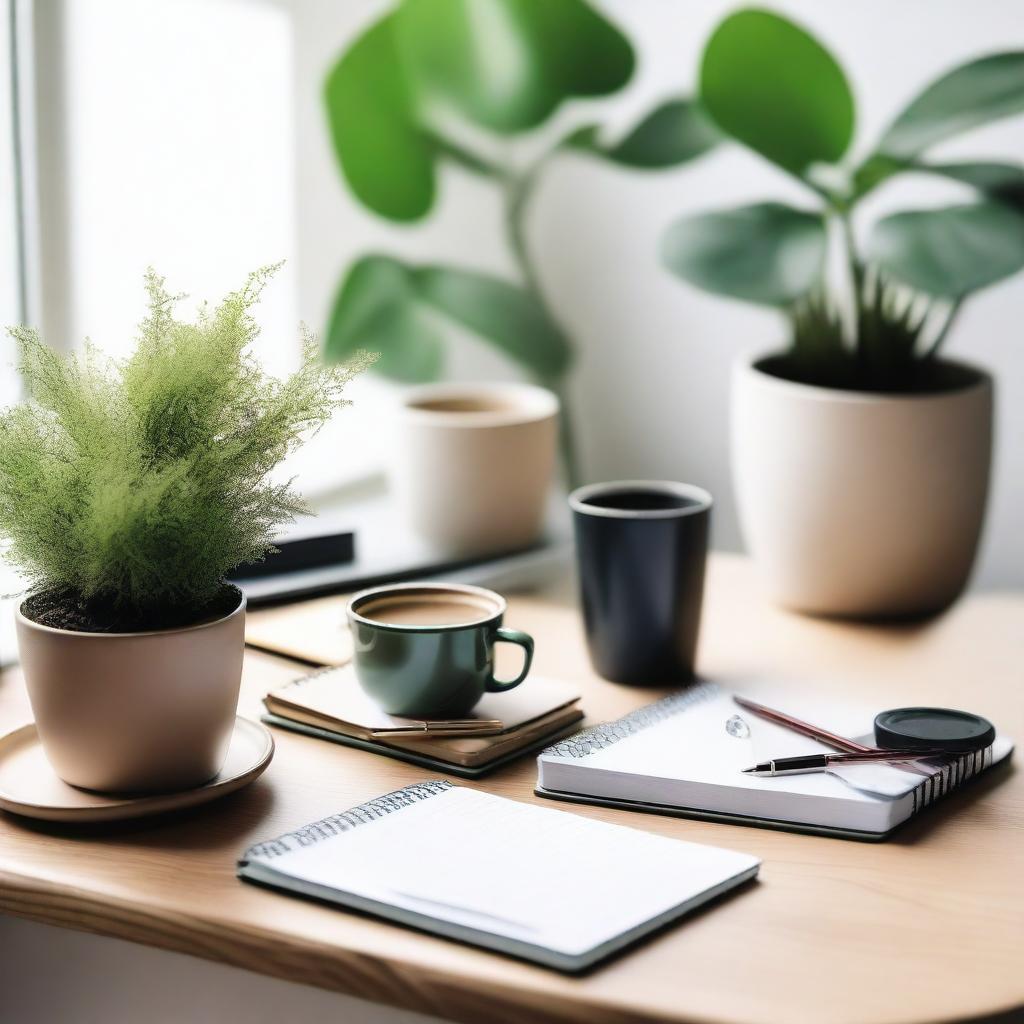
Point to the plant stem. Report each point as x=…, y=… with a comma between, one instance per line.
x=517, y=193
x=855, y=273
x=463, y=156
x=934, y=347
x=853, y=259
x=566, y=436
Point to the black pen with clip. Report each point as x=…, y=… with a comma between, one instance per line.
x=822, y=762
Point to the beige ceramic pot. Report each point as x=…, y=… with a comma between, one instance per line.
x=474, y=464
x=135, y=712
x=860, y=504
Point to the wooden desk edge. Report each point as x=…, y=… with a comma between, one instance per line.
x=396, y=983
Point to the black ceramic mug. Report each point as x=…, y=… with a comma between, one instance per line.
x=641, y=546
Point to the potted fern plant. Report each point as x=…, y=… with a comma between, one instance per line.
x=128, y=491
x=860, y=455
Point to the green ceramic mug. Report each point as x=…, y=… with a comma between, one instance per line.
x=427, y=649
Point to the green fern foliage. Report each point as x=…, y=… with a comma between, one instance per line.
x=130, y=489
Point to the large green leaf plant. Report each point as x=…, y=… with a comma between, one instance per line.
x=769, y=85
x=397, y=101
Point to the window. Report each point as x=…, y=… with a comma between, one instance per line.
x=12, y=298
x=166, y=138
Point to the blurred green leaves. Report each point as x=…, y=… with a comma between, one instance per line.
x=967, y=97
x=971, y=95
x=998, y=180
x=505, y=314
x=396, y=309
x=393, y=102
x=773, y=87
x=503, y=65
x=766, y=253
x=951, y=251
x=506, y=65
x=377, y=309
x=386, y=158
x=674, y=132
x=769, y=85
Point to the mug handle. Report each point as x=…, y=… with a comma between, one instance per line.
x=524, y=640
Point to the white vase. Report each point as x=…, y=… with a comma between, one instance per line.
x=856, y=503
x=474, y=464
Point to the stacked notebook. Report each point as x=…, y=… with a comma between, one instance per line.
x=331, y=705
x=313, y=631
x=527, y=881
x=685, y=755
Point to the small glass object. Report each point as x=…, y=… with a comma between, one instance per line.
x=736, y=726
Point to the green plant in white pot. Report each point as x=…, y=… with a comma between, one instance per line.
x=860, y=456
x=128, y=492
x=432, y=84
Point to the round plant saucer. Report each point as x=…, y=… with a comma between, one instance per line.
x=29, y=786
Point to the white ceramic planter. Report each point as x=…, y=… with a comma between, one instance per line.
x=860, y=504
x=135, y=712
x=474, y=464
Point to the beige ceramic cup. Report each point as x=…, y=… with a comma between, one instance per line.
x=474, y=464
x=135, y=712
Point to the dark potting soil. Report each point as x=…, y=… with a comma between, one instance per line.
x=65, y=610
x=915, y=377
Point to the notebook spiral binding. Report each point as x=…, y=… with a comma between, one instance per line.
x=346, y=820
x=326, y=670
x=598, y=737
x=950, y=776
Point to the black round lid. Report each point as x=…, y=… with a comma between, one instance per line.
x=933, y=729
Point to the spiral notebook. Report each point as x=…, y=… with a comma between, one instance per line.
x=683, y=755
x=535, y=883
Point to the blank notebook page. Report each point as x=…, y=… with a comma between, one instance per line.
x=544, y=877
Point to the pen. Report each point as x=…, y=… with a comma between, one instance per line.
x=816, y=732
x=820, y=762
x=437, y=727
x=804, y=728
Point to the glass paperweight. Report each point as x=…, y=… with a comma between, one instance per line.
x=736, y=726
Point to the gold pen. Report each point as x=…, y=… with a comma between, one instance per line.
x=449, y=727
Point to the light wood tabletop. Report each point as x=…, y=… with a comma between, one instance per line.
x=928, y=926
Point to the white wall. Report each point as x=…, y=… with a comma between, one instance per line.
x=650, y=386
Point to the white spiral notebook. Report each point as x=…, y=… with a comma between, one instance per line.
x=678, y=756
x=544, y=885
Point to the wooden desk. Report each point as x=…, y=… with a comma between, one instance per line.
x=927, y=927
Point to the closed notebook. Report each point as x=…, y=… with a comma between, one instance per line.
x=315, y=631
x=678, y=756
x=543, y=885
x=333, y=700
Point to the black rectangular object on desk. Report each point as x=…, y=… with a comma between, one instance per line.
x=361, y=572
x=387, y=550
x=301, y=553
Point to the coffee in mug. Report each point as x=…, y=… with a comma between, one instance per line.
x=417, y=608
x=426, y=650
